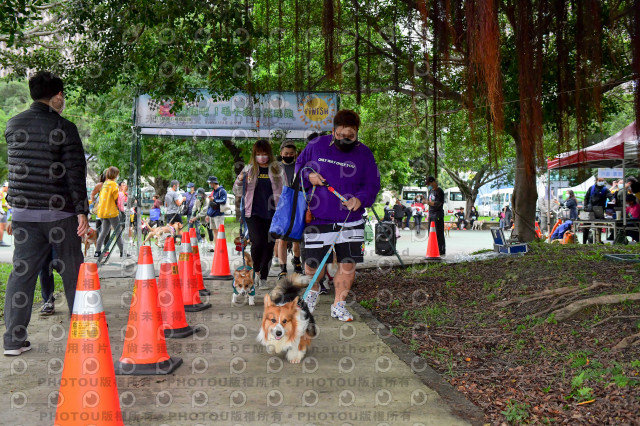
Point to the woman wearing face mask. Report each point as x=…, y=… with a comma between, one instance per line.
x=264, y=180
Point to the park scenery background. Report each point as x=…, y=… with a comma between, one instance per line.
x=477, y=93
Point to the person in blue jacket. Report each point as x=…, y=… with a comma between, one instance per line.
x=346, y=164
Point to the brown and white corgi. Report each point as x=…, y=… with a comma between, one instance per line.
x=242, y=283
x=286, y=325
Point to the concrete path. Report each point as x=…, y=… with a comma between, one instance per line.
x=356, y=373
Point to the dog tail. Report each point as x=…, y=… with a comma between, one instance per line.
x=289, y=288
x=247, y=259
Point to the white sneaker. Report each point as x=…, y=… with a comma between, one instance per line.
x=262, y=284
x=275, y=262
x=26, y=346
x=340, y=311
x=312, y=300
x=407, y=229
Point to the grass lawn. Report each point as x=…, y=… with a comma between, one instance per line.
x=523, y=337
x=5, y=270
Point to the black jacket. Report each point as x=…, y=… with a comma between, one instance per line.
x=47, y=165
x=398, y=211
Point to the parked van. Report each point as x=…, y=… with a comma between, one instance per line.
x=409, y=193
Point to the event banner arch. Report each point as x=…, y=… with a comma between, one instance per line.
x=293, y=114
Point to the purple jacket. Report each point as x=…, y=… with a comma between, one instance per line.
x=352, y=174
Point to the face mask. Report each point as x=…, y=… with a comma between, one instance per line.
x=345, y=145
x=620, y=185
x=262, y=159
x=288, y=160
x=600, y=183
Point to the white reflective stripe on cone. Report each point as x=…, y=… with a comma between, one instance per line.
x=145, y=272
x=185, y=248
x=169, y=257
x=221, y=235
x=87, y=302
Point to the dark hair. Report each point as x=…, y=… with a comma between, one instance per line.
x=102, y=177
x=173, y=183
x=430, y=179
x=631, y=179
x=631, y=197
x=44, y=85
x=346, y=118
x=571, y=194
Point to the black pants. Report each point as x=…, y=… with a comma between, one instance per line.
x=47, y=283
x=261, y=244
x=439, y=222
x=32, y=240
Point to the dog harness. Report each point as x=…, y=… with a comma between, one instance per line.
x=252, y=292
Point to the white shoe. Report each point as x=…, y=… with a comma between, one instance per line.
x=26, y=346
x=407, y=229
x=340, y=312
x=312, y=300
x=275, y=262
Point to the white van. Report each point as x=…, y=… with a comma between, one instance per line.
x=453, y=200
x=500, y=198
x=409, y=193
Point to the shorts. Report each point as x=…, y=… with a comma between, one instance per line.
x=349, y=247
x=173, y=218
x=4, y=217
x=217, y=221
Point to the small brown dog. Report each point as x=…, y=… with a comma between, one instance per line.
x=477, y=225
x=89, y=238
x=243, y=281
x=158, y=232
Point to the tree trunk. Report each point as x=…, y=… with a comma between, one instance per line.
x=238, y=165
x=160, y=185
x=525, y=195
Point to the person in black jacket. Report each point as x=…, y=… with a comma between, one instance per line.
x=47, y=190
x=398, y=213
x=435, y=201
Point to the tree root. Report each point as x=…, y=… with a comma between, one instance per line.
x=575, y=307
x=627, y=342
x=556, y=292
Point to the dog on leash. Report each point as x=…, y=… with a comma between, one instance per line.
x=243, y=285
x=287, y=326
x=448, y=227
x=159, y=231
x=89, y=238
x=477, y=225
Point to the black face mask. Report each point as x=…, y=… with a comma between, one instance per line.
x=288, y=160
x=345, y=145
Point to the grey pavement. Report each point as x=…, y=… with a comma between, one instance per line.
x=355, y=373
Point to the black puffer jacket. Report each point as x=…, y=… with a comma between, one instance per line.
x=47, y=166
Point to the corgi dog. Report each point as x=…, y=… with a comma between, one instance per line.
x=242, y=283
x=287, y=326
x=158, y=232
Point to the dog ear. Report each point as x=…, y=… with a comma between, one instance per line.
x=295, y=301
x=267, y=301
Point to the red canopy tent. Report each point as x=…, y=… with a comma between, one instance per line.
x=620, y=150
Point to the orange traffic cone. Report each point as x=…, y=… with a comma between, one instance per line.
x=197, y=265
x=433, y=253
x=220, y=266
x=88, y=391
x=145, y=349
x=190, y=294
x=170, y=295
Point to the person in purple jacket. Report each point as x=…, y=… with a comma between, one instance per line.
x=348, y=166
